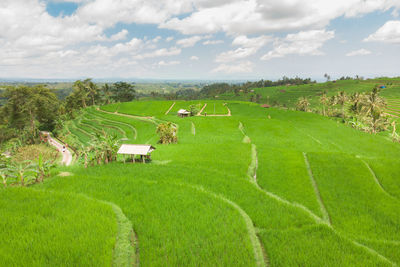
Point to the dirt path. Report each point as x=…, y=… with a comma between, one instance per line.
x=67, y=155
x=216, y=115
x=173, y=104
x=201, y=110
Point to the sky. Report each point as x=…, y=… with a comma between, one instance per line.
x=198, y=39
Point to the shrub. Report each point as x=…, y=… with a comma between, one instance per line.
x=167, y=132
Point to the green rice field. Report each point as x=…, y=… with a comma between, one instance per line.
x=262, y=187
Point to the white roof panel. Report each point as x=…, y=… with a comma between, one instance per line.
x=183, y=111
x=135, y=149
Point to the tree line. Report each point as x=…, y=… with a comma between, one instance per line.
x=215, y=89
x=363, y=111
x=30, y=109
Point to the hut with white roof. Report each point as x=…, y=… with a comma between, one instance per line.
x=183, y=113
x=144, y=151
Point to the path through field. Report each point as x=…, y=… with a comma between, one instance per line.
x=201, y=110
x=173, y=104
x=221, y=115
x=67, y=155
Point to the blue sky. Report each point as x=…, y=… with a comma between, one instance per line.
x=198, y=39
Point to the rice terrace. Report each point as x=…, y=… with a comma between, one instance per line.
x=199, y=133
x=262, y=187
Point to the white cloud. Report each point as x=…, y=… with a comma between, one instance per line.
x=27, y=24
x=260, y=41
x=131, y=11
x=156, y=39
x=119, y=36
x=133, y=45
x=194, y=58
x=241, y=67
x=34, y=42
x=191, y=41
x=163, y=52
x=261, y=16
x=250, y=46
x=360, y=52
x=168, y=63
x=302, y=43
x=388, y=33
x=213, y=42
x=236, y=54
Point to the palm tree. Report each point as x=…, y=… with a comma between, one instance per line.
x=341, y=100
x=373, y=102
x=356, y=99
x=302, y=104
x=372, y=107
x=378, y=122
x=92, y=89
x=107, y=92
x=81, y=92
x=324, y=101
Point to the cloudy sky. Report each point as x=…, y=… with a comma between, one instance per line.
x=199, y=39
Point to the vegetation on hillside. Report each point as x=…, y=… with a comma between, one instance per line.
x=257, y=186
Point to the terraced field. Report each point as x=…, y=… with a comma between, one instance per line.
x=393, y=107
x=263, y=187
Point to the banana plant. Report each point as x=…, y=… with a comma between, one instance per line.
x=42, y=168
x=23, y=173
x=4, y=176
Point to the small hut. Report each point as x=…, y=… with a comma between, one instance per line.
x=183, y=113
x=265, y=106
x=143, y=151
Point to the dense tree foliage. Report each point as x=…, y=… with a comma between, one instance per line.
x=215, y=89
x=28, y=110
x=123, y=92
x=87, y=93
x=220, y=88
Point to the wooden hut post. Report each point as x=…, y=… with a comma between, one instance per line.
x=144, y=160
x=133, y=159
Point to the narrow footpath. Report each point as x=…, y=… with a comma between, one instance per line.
x=66, y=154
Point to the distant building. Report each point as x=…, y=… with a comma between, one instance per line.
x=265, y=106
x=183, y=113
